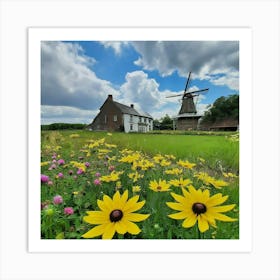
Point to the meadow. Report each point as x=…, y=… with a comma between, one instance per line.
x=131, y=186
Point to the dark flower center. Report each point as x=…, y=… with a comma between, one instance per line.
x=158, y=188
x=199, y=208
x=116, y=215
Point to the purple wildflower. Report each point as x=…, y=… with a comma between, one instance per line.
x=97, y=182
x=68, y=211
x=44, y=178
x=61, y=161
x=57, y=199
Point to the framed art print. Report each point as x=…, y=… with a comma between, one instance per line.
x=137, y=139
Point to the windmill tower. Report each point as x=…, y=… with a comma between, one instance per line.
x=187, y=118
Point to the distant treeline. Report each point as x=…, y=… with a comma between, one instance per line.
x=60, y=126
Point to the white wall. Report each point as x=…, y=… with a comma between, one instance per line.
x=128, y=121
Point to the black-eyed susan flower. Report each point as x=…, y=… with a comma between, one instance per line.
x=198, y=206
x=180, y=182
x=174, y=171
x=115, y=215
x=160, y=186
x=186, y=164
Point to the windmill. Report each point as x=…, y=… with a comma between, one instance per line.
x=188, y=106
x=187, y=117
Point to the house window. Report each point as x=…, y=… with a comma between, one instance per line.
x=140, y=119
x=131, y=118
x=145, y=120
x=131, y=127
x=105, y=118
x=115, y=118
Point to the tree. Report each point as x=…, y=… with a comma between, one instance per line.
x=224, y=108
x=163, y=123
x=166, y=122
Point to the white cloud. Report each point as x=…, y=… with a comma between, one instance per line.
x=65, y=114
x=144, y=93
x=67, y=79
x=141, y=91
x=117, y=46
x=203, y=58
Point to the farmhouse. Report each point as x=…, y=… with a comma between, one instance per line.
x=114, y=116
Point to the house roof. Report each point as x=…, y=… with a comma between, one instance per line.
x=131, y=111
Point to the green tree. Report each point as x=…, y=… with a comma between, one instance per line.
x=223, y=108
x=166, y=122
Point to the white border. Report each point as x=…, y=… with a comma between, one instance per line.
x=243, y=35
x=262, y=16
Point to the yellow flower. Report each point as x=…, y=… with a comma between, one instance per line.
x=165, y=163
x=109, y=134
x=136, y=189
x=142, y=164
x=116, y=215
x=160, y=186
x=229, y=175
x=170, y=157
x=186, y=164
x=174, y=171
x=135, y=176
x=130, y=158
x=112, y=177
x=218, y=183
x=204, y=177
x=202, y=160
x=103, y=151
x=78, y=165
x=110, y=145
x=198, y=206
x=74, y=135
x=158, y=158
x=181, y=182
x=44, y=163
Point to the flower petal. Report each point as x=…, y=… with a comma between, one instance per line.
x=109, y=231
x=202, y=223
x=132, y=228
x=120, y=227
x=223, y=208
x=178, y=198
x=135, y=217
x=176, y=206
x=131, y=207
x=96, y=231
x=216, y=199
x=96, y=217
x=178, y=216
x=222, y=217
x=190, y=221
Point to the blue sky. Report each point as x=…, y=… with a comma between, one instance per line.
x=77, y=76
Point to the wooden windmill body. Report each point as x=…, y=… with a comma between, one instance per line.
x=187, y=118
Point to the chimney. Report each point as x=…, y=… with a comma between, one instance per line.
x=131, y=105
x=110, y=96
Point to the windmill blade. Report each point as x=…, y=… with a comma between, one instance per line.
x=188, y=81
x=200, y=90
x=174, y=95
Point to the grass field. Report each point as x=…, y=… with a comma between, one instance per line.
x=209, y=162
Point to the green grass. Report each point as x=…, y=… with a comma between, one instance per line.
x=219, y=152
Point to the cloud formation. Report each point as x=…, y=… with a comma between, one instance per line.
x=204, y=58
x=65, y=114
x=67, y=80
